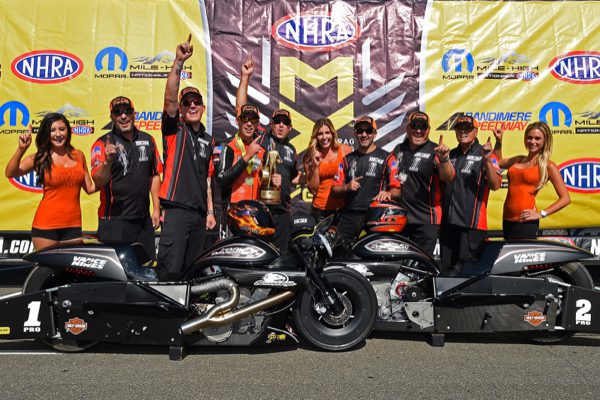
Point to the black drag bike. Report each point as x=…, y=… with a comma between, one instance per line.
x=240, y=292
x=537, y=287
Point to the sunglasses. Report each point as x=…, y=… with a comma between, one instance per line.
x=285, y=121
x=464, y=127
x=243, y=120
x=193, y=101
x=121, y=110
x=419, y=125
x=368, y=131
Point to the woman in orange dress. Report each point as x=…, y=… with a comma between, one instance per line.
x=62, y=170
x=527, y=174
x=321, y=163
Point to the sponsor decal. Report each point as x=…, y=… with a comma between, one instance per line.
x=579, y=67
x=315, y=32
x=239, y=251
x=33, y=323
x=534, y=318
x=79, y=119
x=557, y=115
x=360, y=268
x=459, y=64
x=300, y=220
x=587, y=122
x=88, y=262
x=583, y=315
x=4, y=330
x=530, y=257
x=275, y=279
x=453, y=62
x=581, y=175
x=275, y=337
x=75, y=326
x=387, y=246
x=27, y=182
x=18, y=117
x=16, y=246
x=113, y=63
x=47, y=66
x=490, y=120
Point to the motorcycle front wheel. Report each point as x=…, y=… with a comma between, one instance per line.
x=326, y=331
x=41, y=278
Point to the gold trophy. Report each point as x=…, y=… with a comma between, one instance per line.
x=270, y=194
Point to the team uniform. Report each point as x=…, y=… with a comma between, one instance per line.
x=418, y=172
x=123, y=215
x=58, y=216
x=375, y=169
x=464, y=222
x=183, y=194
x=288, y=171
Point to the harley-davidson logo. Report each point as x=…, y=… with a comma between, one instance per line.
x=534, y=318
x=75, y=326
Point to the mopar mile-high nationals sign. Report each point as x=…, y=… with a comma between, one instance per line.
x=506, y=63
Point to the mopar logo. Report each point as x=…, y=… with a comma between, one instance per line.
x=313, y=32
x=82, y=130
x=453, y=60
x=14, y=108
x=27, y=182
x=556, y=108
x=582, y=67
x=47, y=66
x=111, y=54
x=581, y=175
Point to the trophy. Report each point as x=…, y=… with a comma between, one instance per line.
x=270, y=194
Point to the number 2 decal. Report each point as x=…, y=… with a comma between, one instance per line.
x=583, y=315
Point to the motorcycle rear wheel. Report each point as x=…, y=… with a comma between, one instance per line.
x=41, y=278
x=346, y=330
x=574, y=274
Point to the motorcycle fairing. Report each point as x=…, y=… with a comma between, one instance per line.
x=27, y=316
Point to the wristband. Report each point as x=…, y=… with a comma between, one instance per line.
x=444, y=160
x=210, y=212
x=543, y=213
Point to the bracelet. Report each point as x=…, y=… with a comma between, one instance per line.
x=210, y=212
x=445, y=159
x=543, y=213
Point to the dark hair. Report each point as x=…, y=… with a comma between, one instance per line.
x=42, y=161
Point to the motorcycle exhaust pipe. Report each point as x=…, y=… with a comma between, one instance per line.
x=209, y=318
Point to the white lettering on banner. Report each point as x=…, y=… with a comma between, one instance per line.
x=20, y=247
x=87, y=262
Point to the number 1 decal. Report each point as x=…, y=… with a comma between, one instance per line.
x=33, y=322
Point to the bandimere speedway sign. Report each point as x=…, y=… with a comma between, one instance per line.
x=506, y=63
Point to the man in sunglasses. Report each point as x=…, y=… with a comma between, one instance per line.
x=363, y=176
x=185, y=194
x=421, y=166
x=464, y=219
x=126, y=167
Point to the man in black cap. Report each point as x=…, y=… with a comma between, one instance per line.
x=364, y=175
x=422, y=166
x=185, y=194
x=464, y=212
x=126, y=167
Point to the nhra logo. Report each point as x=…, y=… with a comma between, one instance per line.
x=581, y=175
x=315, y=32
x=47, y=66
x=27, y=182
x=580, y=67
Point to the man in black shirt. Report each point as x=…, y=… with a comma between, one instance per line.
x=363, y=176
x=126, y=166
x=421, y=166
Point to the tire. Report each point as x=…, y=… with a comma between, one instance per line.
x=347, y=330
x=41, y=278
x=574, y=274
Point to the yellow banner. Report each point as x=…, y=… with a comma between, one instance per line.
x=511, y=63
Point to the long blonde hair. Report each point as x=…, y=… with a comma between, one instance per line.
x=543, y=157
x=313, y=144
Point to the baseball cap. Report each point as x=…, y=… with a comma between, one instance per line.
x=189, y=91
x=365, y=120
x=121, y=100
x=465, y=121
x=418, y=117
x=249, y=111
x=281, y=112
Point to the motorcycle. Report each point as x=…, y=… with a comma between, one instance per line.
x=537, y=287
x=239, y=292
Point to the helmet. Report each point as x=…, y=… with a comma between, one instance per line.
x=386, y=217
x=250, y=217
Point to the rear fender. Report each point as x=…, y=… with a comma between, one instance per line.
x=27, y=316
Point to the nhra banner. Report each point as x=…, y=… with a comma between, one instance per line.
x=506, y=63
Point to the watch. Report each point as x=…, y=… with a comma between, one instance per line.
x=543, y=213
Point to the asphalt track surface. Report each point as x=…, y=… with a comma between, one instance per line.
x=387, y=366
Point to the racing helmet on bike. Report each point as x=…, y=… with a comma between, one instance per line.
x=385, y=217
x=250, y=217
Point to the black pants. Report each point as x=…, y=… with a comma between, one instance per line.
x=425, y=235
x=281, y=220
x=459, y=244
x=181, y=241
x=319, y=215
x=118, y=231
x=520, y=230
x=351, y=224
